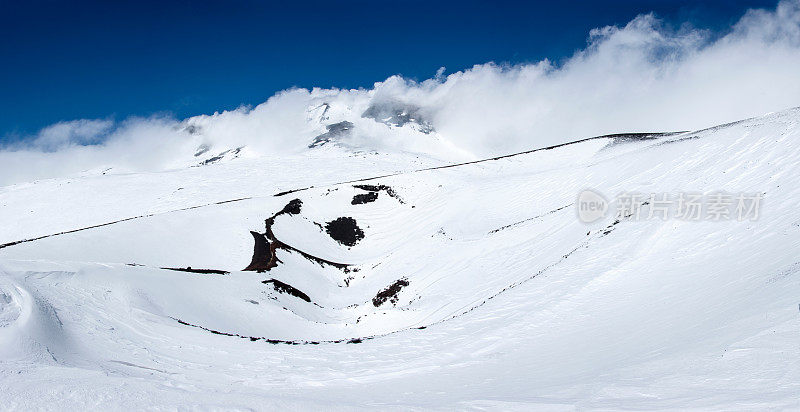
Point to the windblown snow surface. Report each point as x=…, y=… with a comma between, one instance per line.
x=396, y=281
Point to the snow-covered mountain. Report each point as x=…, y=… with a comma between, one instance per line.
x=332, y=121
x=343, y=278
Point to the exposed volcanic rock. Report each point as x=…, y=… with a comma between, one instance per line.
x=390, y=293
x=265, y=244
x=201, y=150
x=378, y=188
x=203, y=271
x=633, y=137
x=292, y=208
x=398, y=114
x=232, y=152
x=262, y=254
x=287, y=288
x=362, y=198
x=335, y=131
x=345, y=230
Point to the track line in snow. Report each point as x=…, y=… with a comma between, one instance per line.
x=617, y=136
x=283, y=193
x=66, y=232
x=529, y=219
x=456, y=314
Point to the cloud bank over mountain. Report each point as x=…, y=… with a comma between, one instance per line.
x=645, y=76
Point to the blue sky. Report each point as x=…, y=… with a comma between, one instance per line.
x=71, y=60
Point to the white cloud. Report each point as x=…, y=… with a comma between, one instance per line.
x=77, y=132
x=640, y=77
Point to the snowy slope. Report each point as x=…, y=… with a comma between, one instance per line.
x=469, y=286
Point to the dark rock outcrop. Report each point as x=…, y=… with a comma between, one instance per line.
x=397, y=114
x=287, y=288
x=335, y=131
x=390, y=293
x=362, y=198
x=345, y=230
x=262, y=254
